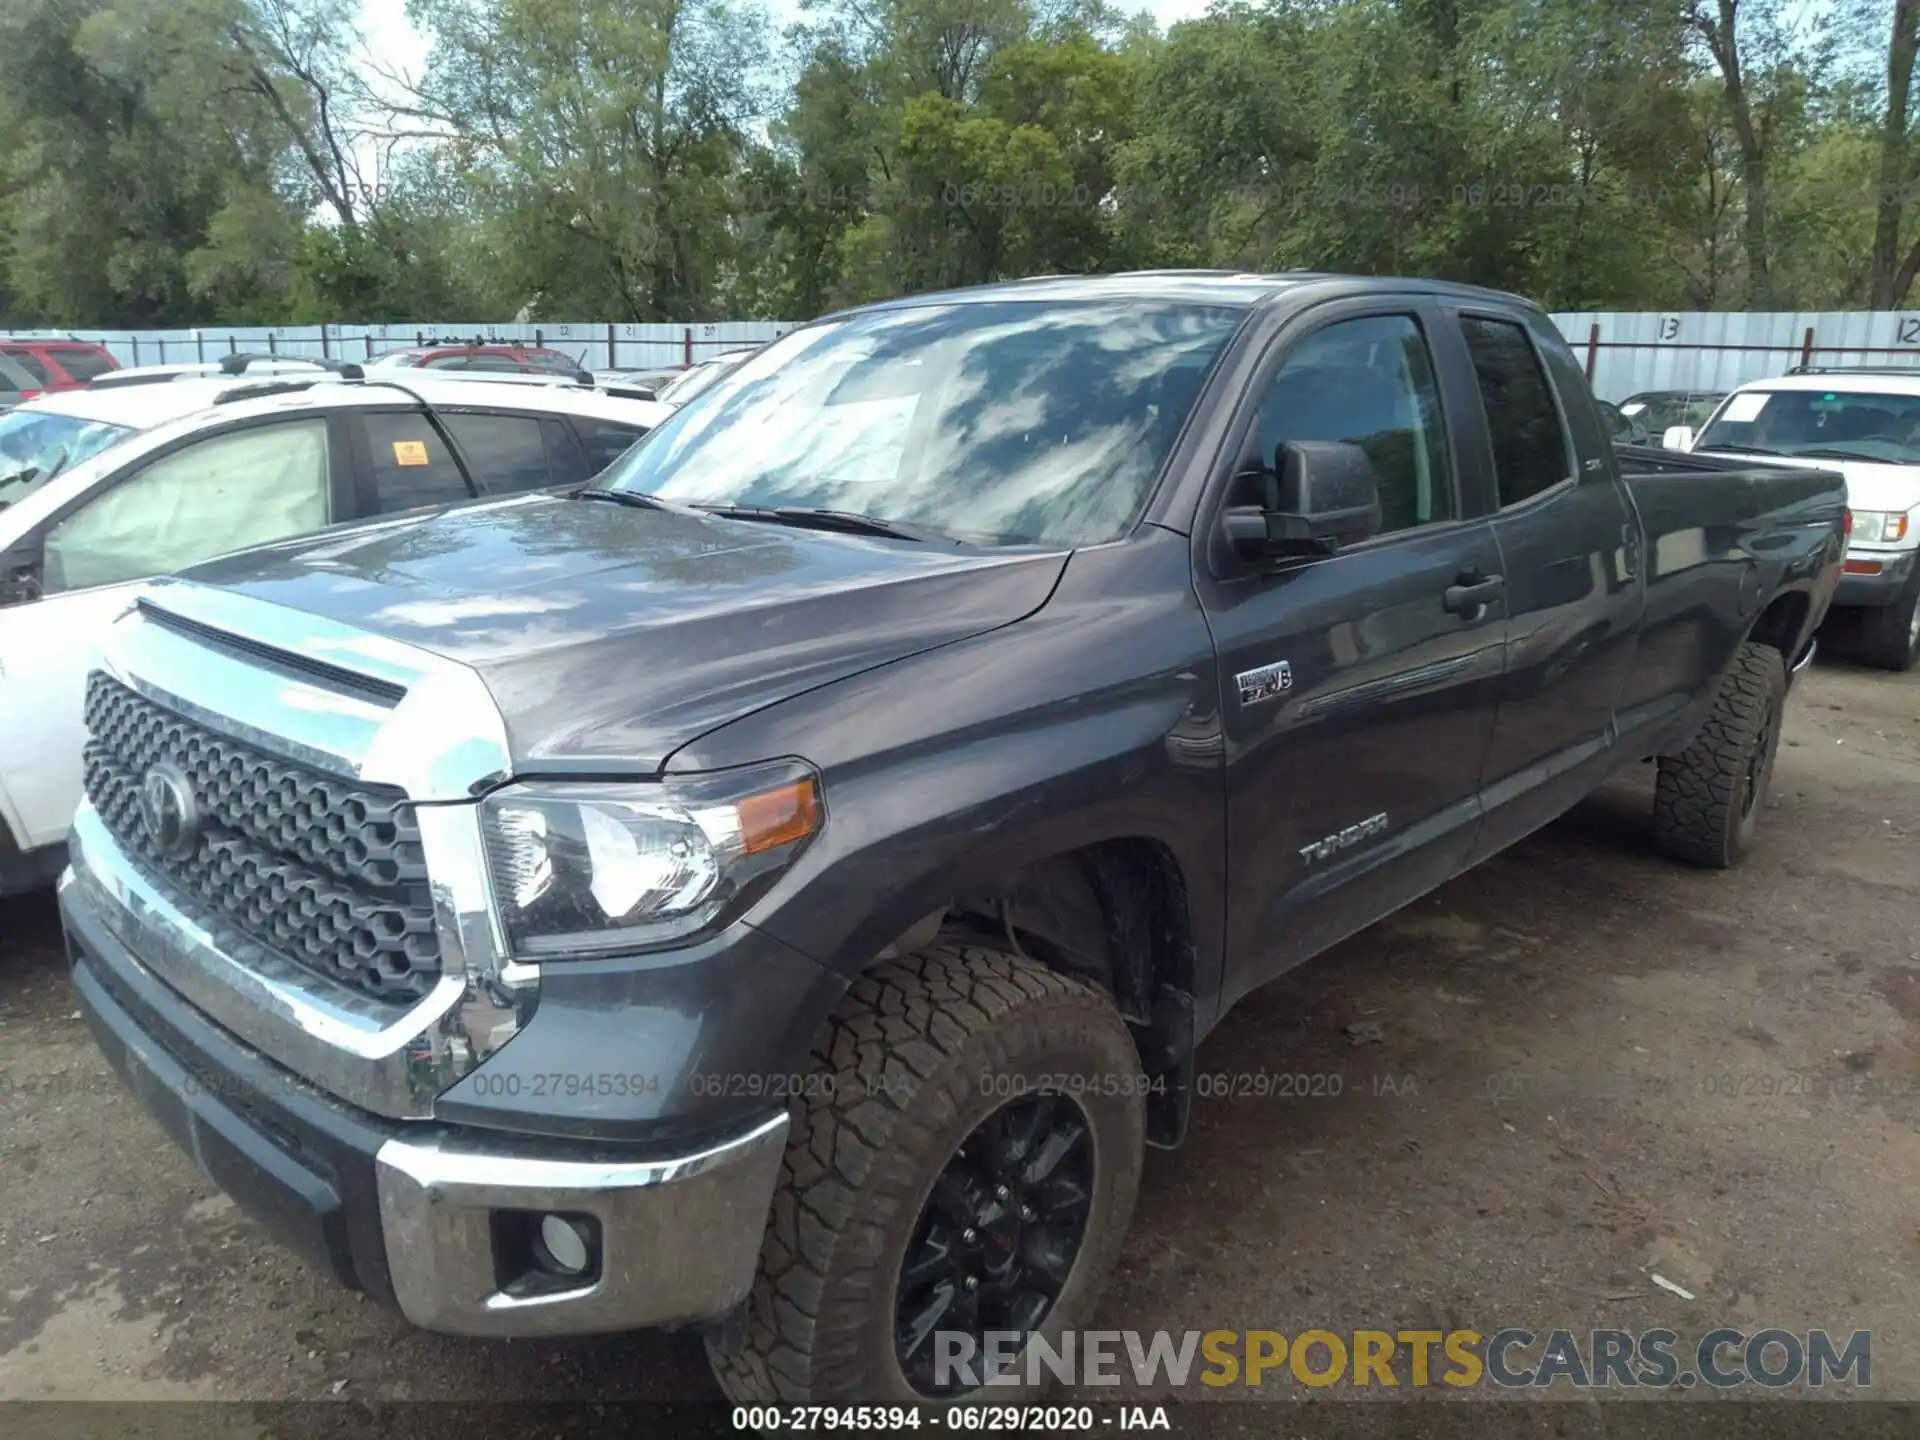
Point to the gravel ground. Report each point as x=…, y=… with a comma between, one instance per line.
x=1573, y=1069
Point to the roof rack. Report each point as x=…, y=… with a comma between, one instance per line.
x=235, y=364
x=263, y=387
x=579, y=378
x=239, y=362
x=1913, y=369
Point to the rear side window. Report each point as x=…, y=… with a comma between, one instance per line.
x=410, y=464
x=15, y=381
x=81, y=363
x=550, y=361
x=505, y=452
x=31, y=363
x=1529, y=446
x=606, y=442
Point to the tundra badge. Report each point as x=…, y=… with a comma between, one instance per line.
x=1344, y=839
x=1264, y=683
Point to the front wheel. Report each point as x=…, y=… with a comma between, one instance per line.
x=960, y=1179
x=1707, y=799
x=1890, y=634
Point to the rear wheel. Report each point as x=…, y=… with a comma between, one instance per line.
x=1707, y=799
x=1890, y=634
x=965, y=1167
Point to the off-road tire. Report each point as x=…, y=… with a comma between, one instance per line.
x=919, y=1052
x=1890, y=634
x=1707, y=799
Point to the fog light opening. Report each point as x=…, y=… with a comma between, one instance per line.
x=565, y=1246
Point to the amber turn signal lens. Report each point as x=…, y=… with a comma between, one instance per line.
x=779, y=817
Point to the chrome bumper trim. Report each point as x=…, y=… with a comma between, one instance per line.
x=680, y=1237
x=390, y=1062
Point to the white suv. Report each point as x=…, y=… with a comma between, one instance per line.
x=103, y=487
x=1864, y=423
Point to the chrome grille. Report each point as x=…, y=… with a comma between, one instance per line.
x=325, y=871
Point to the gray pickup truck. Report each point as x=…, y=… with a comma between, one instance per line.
x=781, y=887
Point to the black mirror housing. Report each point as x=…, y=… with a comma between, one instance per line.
x=1320, y=495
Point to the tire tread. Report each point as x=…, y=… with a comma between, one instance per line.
x=899, y=1025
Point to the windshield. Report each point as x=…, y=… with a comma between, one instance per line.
x=1660, y=412
x=1009, y=422
x=36, y=445
x=1829, y=424
x=690, y=383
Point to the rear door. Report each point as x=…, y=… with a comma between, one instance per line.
x=1569, y=549
x=1359, y=688
x=402, y=463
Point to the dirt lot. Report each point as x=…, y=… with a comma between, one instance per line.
x=1573, y=1069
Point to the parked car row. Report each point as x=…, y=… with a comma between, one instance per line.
x=105, y=486
x=780, y=886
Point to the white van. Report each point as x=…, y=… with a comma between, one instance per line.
x=1865, y=423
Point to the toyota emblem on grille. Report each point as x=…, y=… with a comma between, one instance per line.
x=171, y=813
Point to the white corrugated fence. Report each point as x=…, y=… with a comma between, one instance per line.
x=1623, y=352
x=598, y=345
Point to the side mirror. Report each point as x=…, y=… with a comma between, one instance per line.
x=19, y=579
x=1320, y=495
x=1678, y=437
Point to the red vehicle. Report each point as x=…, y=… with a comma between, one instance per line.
x=59, y=364
x=499, y=359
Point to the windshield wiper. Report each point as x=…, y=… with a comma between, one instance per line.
x=1743, y=449
x=806, y=517
x=1834, y=452
x=634, y=499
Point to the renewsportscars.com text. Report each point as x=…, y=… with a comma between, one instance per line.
x=1512, y=1358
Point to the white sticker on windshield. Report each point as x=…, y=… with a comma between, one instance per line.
x=1743, y=409
x=1633, y=407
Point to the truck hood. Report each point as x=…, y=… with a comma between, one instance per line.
x=1870, y=484
x=613, y=635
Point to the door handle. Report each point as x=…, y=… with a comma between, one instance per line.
x=1473, y=593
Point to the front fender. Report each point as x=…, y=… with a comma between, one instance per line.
x=1096, y=718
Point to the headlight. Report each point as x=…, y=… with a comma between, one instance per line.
x=591, y=869
x=1880, y=527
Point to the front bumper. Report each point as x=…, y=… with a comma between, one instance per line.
x=1880, y=588
x=426, y=1217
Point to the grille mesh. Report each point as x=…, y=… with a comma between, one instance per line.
x=326, y=872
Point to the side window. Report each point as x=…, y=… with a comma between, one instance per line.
x=1592, y=427
x=567, y=462
x=505, y=452
x=1370, y=383
x=32, y=364
x=225, y=493
x=606, y=441
x=550, y=361
x=82, y=365
x=411, y=466
x=1529, y=447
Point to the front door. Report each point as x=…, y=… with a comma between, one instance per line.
x=1358, y=688
x=227, y=491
